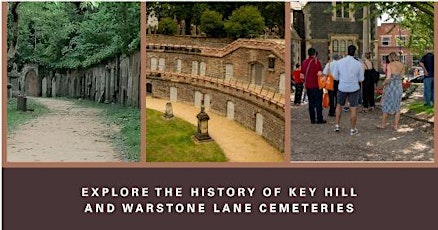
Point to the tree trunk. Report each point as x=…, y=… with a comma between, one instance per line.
x=13, y=48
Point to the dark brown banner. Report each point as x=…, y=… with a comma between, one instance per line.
x=219, y=198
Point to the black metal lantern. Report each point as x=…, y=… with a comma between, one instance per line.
x=271, y=61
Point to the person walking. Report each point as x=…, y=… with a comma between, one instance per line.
x=368, y=84
x=392, y=90
x=299, y=84
x=427, y=64
x=311, y=68
x=349, y=73
x=328, y=69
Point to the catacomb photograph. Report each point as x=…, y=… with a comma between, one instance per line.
x=73, y=82
x=362, y=81
x=215, y=82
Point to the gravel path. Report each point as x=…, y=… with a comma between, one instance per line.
x=68, y=133
x=238, y=143
x=318, y=142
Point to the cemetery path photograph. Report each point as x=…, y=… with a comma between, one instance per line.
x=73, y=94
x=66, y=133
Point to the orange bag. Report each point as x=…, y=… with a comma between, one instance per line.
x=329, y=84
x=322, y=81
x=325, y=100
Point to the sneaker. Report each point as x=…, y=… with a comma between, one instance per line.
x=346, y=109
x=337, y=128
x=321, y=122
x=354, y=132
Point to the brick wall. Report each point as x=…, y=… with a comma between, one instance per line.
x=188, y=40
x=246, y=105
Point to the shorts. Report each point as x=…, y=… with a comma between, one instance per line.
x=353, y=98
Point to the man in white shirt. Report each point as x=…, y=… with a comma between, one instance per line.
x=349, y=73
x=329, y=67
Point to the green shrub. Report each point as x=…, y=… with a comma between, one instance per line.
x=212, y=23
x=245, y=22
x=167, y=26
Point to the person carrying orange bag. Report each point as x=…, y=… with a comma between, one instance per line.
x=332, y=91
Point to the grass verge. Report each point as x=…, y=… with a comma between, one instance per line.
x=170, y=141
x=418, y=107
x=17, y=118
x=128, y=120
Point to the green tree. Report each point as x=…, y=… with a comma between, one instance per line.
x=417, y=17
x=63, y=35
x=167, y=26
x=245, y=22
x=212, y=23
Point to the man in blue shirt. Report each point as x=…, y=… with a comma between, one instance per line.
x=426, y=63
x=349, y=73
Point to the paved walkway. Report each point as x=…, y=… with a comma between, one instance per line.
x=238, y=143
x=68, y=133
x=318, y=142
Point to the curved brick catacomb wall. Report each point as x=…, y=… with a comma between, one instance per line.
x=248, y=74
x=116, y=80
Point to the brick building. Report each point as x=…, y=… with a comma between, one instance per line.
x=392, y=38
x=330, y=28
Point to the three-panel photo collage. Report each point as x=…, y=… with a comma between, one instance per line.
x=242, y=84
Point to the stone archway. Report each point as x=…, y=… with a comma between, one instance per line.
x=31, y=84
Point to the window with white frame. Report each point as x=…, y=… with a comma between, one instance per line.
x=386, y=40
x=343, y=11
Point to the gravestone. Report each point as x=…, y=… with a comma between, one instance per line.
x=22, y=103
x=202, y=68
x=259, y=123
x=198, y=99
x=54, y=87
x=230, y=110
x=228, y=71
x=168, y=113
x=44, y=87
x=282, y=83
x=161, y=64
x=154, y=64
x=207, y=102
x=173, y=94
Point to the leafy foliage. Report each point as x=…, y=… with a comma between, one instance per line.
x=167, y=26
x=212, y=23
x=272, y=12
x=245, y=22
x=67, y=35
x=418, y=17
